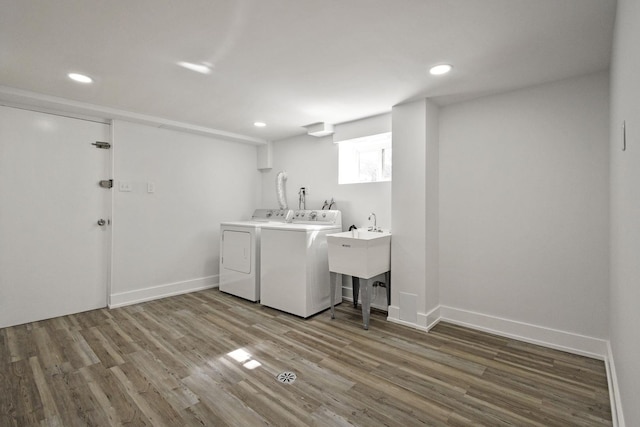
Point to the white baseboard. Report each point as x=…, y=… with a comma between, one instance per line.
x=560, y=340
x=405, y=323
x=393, y=315
x=347, y=295
x=376, y=306
x=162, y=291
x=614, y=390
x=424, y=322
x=431, y=318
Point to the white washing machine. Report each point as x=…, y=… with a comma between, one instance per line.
x=294, y=275
x=240, y=252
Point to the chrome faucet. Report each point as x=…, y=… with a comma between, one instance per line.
x=375, y=221
x=302, y=194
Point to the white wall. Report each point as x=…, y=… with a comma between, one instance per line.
x=625, y=207
x=313, y=163
x=523, y=206
x=168, y=241
x=414, y=253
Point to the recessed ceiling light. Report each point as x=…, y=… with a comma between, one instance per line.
x=440, y=69
x=202, y=68
x=80, y=78
x=259, y=124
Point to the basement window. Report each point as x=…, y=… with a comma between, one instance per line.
x=366, y=159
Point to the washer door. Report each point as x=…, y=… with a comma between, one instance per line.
x=236, y=254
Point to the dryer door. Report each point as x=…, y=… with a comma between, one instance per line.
x=236, y=254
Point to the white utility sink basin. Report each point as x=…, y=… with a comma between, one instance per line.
x=360, y=253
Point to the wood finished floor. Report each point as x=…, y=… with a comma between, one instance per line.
x=167, y=362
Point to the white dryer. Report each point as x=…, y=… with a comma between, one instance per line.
x=294, y=263
x=240, y=252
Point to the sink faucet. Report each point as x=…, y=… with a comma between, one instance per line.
x=375, y=225
x=302, y=194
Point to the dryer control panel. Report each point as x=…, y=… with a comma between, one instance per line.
x=272, y=215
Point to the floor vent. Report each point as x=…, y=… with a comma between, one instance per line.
x=286, y=377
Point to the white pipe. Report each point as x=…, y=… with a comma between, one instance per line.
x=281, y=193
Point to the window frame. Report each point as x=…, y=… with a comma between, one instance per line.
x=351, y=167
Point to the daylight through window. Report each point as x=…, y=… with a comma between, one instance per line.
x=366, y=159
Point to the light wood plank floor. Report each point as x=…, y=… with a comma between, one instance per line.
x=168, y=362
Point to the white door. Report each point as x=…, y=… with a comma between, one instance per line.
x=53, y=253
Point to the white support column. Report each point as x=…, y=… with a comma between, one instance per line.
x=414, y=194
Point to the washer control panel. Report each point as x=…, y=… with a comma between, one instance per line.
x=332, y=217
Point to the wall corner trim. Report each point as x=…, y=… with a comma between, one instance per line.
x=614, y=390
x=405, y=323
x=431, y=318
x=424, y=321
x=162, y=291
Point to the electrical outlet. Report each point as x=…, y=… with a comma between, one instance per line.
x=151, y=187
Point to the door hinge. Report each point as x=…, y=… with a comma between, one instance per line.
x=106, y=183
x=101, y=144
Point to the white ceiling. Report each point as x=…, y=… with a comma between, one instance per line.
x=291, y=63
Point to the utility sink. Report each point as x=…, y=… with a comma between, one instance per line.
x=360, y=253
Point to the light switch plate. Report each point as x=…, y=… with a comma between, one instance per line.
x=151, y=187
x=125, y=186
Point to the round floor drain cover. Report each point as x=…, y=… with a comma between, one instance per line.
x=286, y=377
